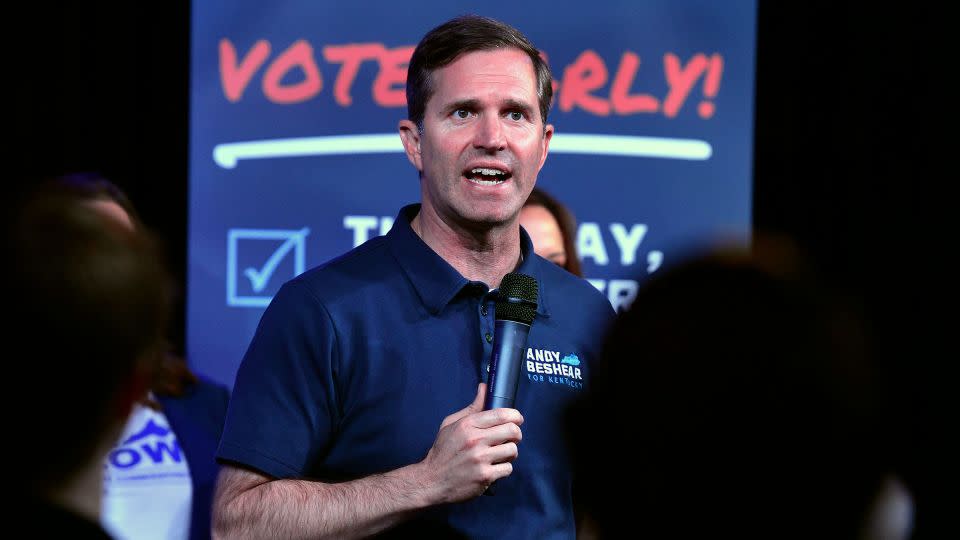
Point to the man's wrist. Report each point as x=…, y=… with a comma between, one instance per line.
x=415, y=481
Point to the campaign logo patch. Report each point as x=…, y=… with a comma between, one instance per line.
x=544, y=365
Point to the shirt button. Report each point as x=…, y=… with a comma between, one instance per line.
x=483, y=310
x=489, y=337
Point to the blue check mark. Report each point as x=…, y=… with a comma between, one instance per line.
x=259, y=278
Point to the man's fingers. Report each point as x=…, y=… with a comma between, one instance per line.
x=503, y=453
x=501, y=470
x=503, y=433
x=496, y=417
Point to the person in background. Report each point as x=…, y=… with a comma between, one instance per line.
x=552, y=229
x=88, y=303
x=160, y=478
x=358, y=406
x=753, y=405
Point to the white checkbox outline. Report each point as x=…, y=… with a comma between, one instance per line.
x=233, y=238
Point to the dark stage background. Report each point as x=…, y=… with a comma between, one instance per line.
x=847, y=162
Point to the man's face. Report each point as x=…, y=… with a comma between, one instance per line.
x=483, y=141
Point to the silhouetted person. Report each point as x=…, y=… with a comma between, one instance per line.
x=161, y=474
x=734, y=399
x=88, y=302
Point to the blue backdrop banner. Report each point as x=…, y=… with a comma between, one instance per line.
x=295, y=156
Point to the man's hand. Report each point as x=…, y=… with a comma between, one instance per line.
x=473, y=448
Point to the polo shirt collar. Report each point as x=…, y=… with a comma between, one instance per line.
x=435, y=280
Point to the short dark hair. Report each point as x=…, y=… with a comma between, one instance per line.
x=461, y=35
x=90, y=307
x=566, y=222
x=174, y=376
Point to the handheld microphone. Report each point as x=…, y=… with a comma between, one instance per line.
x=515, y=308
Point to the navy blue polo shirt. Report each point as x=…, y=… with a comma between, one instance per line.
x=356, y=363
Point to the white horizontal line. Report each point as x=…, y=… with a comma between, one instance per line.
x=624, y=145
x=227, y=155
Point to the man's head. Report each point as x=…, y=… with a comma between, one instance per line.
x=90, y=305
x=478, y=94
x=99, y=193
x=445, y=43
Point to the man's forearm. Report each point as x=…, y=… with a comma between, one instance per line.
x=305, y=509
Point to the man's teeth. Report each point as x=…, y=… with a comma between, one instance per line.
x=485, y=182
x=488, y=172
x=481, y=176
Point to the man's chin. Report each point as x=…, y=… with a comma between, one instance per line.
x=478, y=219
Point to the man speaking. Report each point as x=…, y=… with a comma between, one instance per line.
x=358, y=407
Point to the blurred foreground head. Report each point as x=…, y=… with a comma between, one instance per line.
x=744, y=391
x=90, y=305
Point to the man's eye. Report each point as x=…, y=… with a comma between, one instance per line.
x=461, y=113
x=516, y=116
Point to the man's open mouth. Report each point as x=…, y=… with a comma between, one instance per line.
x=486, y=176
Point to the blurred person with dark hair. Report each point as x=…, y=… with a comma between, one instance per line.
x=90, y=303
x=552, y=229
x=753, y=407
x=161, y=475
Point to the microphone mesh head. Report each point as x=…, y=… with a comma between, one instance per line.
x=517, y=300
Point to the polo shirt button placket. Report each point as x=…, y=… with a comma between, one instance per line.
x=488, y=337
x=486, y=324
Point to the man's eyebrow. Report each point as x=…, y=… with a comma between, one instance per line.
x=474, y=104
x=516, y=105
x=470, y=104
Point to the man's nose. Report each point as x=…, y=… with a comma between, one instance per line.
x=490, y=134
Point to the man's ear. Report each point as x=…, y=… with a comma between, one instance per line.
x=410, y=137
x=545, y=149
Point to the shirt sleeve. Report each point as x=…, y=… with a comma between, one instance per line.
x=283, y=407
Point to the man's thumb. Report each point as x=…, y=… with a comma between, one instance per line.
x=476, y=406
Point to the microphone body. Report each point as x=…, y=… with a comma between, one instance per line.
x=515, y=309
x=509, y=343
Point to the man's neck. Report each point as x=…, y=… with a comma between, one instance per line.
x=479, y=255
